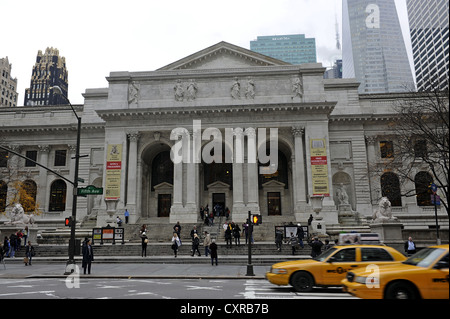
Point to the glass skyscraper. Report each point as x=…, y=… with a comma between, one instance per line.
x=293, y=48
x=428, y=23
x=373, y=50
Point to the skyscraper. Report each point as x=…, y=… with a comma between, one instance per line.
x=8, y=85
x=48, y=71
x=373, y=48
x=428, y=22
x=293, y=48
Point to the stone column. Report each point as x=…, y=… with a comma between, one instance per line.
x=239, y=211
x=252, y=172
x=298, y=171
x=132, y=175
x=43, y=192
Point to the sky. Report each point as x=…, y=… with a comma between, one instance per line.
x=101, y=36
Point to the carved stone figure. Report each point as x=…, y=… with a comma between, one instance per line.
x=191, y=91
x=18, y=216
x=236, y=89
x=384, y=212
x=133, y=93
x=341, y=195
x=297, y=87
x=250, y=93
x=179, y=91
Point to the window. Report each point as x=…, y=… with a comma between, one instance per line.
x=420, y=149
x=60, y=157
x=386, y=149
x=274, y=203
x=28, y=195
x=422, y=182
x=3, y=159
x=31, y=155
x=375, y=254
x=58, y=196
x=390, y=188
x=3, y=194
x=345, y=255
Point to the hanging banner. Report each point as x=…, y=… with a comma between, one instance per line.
x=113, y=171
x=319, y=167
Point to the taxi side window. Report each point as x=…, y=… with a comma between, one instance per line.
x=375, y=254
x=345, y=255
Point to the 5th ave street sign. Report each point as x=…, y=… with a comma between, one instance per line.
x=90, y=190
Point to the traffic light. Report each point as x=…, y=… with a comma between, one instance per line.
x=256, y=219
x=68, y=221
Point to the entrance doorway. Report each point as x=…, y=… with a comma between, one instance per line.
x=164, y=204
x=218, y=201
x=274, y=203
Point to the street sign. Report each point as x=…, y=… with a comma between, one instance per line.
x=90, y=190
x=433, y=187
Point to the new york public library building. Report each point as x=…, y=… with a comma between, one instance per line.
x=218, y=101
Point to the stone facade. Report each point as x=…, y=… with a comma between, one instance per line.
x=140, y=116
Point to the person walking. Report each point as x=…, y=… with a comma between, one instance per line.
x=228, y=237
x=144, y=244
x=127, y=215
x=176, y=243
x=214, y=255
x=236, y=234
x=410, y=247
x=88, y=256
x=316, y=247
x=206, y=243
x=278, y=239
x=300, y=235
x=293, y=240
x=195, y=245
x=29, y=253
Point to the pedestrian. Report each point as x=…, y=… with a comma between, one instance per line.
x=119, y=221
x=195, y=245
x=316, y=247
x=410, y=247
x=194, y=231
x=228, y=237
x=176, y=243
x=12, y=245
x=278, y=239
x=25, y=235
x=236, y=234
x=293, y=240
x=213, y=248
x=29, y=253
x=202, y=213
x=206, y=243
x=6, y=246
x=327, y=245
x=310, y=219
x=88, y=256
x=300, y=235
x=143, y=229
x=127, y=215
x=144, y=244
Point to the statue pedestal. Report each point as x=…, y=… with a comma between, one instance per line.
x=390, y=232
x=7, y=230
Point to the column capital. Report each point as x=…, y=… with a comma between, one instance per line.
x=133, y=136
x=297, y=131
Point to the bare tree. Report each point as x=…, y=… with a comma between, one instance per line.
x=421, y=130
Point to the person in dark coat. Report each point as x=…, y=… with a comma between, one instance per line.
x=213, y=249
x=29, y=252
x=88, y=256
x=316, y=247
x=144, y=244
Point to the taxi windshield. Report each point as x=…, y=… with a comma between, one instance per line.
x=425, y=257
x=325, y=254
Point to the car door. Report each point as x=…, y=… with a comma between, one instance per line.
x=437, y=279
x=336, y=267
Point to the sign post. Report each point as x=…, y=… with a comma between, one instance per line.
x=434, y=199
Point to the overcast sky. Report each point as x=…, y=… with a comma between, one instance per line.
x=100, y=36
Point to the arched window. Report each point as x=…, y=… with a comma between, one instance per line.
x=3, y=194
x=28, y=195
x=390, y=188
x=162, y=169
x=58, y=192
x=422, y=182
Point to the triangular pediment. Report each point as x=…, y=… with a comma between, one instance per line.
x=223, y=55
x=218, y=185
x=163, y=186
x=273, y=184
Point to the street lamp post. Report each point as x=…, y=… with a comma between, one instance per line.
x=71, y=262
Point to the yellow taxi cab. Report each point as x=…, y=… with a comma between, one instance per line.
x=330, y=268
x=423, y=275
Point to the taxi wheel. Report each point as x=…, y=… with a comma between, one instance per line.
x=400, y=290
x=302, y=281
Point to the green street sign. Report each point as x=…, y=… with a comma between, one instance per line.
x=90, y=190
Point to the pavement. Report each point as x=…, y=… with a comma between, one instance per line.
x=127, y=267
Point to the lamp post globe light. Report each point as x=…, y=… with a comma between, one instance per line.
x=70, y=266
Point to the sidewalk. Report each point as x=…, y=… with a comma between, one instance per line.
x=124, y=267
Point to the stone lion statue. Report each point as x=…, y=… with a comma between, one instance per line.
x=18, y=216
x=384, y=212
